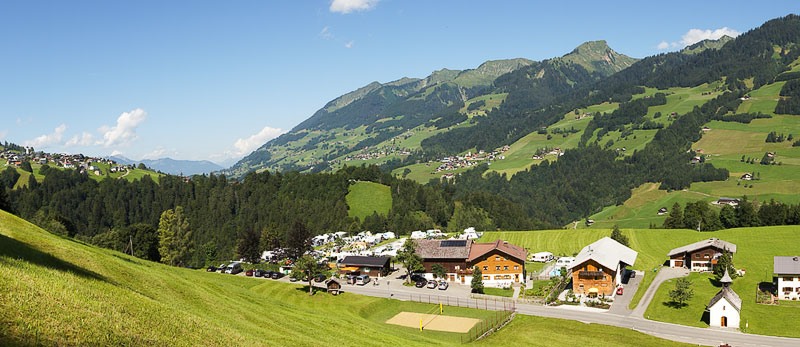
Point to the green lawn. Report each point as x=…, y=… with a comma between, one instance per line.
x=499, y=292
x=365, y=198
x=57, y=291
x=756, y=248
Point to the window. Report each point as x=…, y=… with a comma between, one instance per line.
x=497, y=267
x=696, y=255
x=505, y=268
x=705, y=256
x=498, y=277
x=516, y=267
x=604, y=285
x=485, y=268
x=508, y=277
x=497, y=258
x=486, y=277
x=787, y=289
x=788, y=279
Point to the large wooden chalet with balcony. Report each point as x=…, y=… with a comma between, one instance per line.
x=501, y=263
x=598, y=268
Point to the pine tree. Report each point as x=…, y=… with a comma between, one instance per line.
x=477, y=281
x=725, y=262
x=683, y=292
x=675, y=218
x=174, y=237
x=618, y=236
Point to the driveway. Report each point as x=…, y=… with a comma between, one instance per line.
x=666, y=273
x=620, y=305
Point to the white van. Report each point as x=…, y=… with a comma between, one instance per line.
x=542, y=257
x=362, y=279
x=233, y=268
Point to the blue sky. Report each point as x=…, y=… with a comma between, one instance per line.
x=213, y=80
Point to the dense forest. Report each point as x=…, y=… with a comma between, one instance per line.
x=699, y=215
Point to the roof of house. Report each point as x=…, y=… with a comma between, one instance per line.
x=729, y=295
x=357, y=260
x=786, y=265
x=606, y=252
x=713, y=242
x=443, y=249
x=480, y=249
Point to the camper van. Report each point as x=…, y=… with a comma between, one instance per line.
x=233, y=268
x=542, y=257
x=362, y=279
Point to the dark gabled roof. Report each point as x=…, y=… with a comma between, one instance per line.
x=786, y=265
x=433, y=249
x=729, y=295
x=354, y=260
x=712, y=242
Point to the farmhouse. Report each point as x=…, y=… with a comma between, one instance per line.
x=727, y=201
x=500, y=262
x=700, y=256
x=725, y=307
x=787, y=272
x=451, y=254
x=746, y=177
x=372, y=266
x=598, y=268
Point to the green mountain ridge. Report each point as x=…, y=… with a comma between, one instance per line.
x=377, y=113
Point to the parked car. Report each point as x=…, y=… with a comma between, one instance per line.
x=320, y=278
x=293, y=279
x=443, y=285
x=417, y=278
x=249, y=272
x=619, y=291
x=259, y=273
x=276, y=275
x=362, y=280
x=233, y=268
x=211, y=268
x=421, y=283
x=221, y=267
x=432, y=284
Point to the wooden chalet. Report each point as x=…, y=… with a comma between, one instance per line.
x=598, y=268
x=700, y=256
x=372, y=266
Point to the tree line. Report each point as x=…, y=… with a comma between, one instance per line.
x=699, y=215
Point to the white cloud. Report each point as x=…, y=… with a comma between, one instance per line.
x=48, y=139
x=349, y=44
x=326, y=33
x=247, y=145
x=696, y=35
x=116, y=153
x=84, y=139
x=125, y=131
x=348, y=6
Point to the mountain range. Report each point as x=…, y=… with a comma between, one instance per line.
x=173, y=166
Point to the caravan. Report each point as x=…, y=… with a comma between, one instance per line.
x=541, y=257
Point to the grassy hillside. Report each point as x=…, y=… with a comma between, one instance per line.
x=756, y=247
x=56, y=291
x=365, y=198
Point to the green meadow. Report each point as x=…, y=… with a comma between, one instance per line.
x=755, y=250
x=57, y=291
x=365, y=198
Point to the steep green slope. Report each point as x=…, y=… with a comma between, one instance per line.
x=373, y=118
x=366, y=198
x=55, y=291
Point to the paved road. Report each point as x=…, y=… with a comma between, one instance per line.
x=674, y=332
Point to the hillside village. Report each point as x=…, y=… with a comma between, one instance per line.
x=84, y=164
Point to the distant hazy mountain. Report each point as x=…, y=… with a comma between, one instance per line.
x=173, y=166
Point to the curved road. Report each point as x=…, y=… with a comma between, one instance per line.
x=634, y=320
